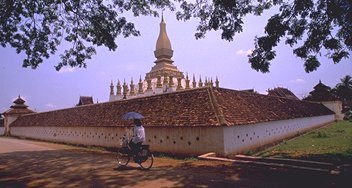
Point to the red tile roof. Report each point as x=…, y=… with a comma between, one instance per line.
x=246, y=108
x=196, y=107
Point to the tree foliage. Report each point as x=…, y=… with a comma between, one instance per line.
x=344, y=88
x=37, y=27
x=313, y=24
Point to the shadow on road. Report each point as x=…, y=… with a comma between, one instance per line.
x=57, y=168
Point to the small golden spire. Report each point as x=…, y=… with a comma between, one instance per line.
x=118, y=86
x=194, y=84
x=140, y=85
x=200, y=83
x=111, y=89
x=132, y=92
x=217, y=82
x=187, y=81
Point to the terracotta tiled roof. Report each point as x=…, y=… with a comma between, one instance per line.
x=18, y=111
x=195, y=107
x=245, y=108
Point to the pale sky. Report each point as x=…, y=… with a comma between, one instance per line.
x=45, y=89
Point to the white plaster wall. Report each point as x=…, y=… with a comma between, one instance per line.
x=181, y=140
x=178, y=140
x=7, y=121
x=2, y=131
x=335, y=106
x=185, y=140
x=241, y=138
x=95, y=136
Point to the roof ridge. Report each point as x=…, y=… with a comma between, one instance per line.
x=215, y=105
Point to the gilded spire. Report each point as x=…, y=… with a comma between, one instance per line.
x=163, y=53
x=163, y=41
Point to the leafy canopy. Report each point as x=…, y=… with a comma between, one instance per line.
x=37, y=27
x=344, y=88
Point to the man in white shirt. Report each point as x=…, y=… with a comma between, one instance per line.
x=138, y=136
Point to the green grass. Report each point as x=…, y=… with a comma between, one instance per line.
x=334, y=141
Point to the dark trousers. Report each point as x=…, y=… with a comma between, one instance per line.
x=135, y=147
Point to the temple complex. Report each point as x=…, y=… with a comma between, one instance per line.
x=181, y=116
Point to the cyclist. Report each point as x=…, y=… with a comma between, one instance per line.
x=138, y=136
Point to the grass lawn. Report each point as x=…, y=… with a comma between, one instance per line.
x=332, y=143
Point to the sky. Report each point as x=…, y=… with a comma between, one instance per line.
x=45, y=89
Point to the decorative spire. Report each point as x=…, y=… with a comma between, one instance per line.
x=125, y=89
x=163, y=53
x=187, y=81
x=217, y=82
x=194, y=84
x=163, y=44
x=200, y=83
x=132, y=92
x=140, y=85
x=111, y=88
x=118, y=86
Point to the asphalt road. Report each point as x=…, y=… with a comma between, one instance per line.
x=25, y=163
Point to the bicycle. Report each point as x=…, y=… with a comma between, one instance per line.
x=143, y=156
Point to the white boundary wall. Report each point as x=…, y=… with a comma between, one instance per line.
x=2, y=131
x=242, y=138
x=181, y=140
x=178, y=140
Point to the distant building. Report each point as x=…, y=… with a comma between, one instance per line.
x=322, y=94
x=85, y=100
x=282, y=92
x=15, y=111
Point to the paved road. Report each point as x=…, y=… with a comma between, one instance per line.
x=25, y=163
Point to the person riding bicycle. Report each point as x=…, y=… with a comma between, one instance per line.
x=138, y=136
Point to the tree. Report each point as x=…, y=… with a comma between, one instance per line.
x=38, y=27
x=344, y=89
x=319, y=24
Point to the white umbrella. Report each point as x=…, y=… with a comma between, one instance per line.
x=132, y=115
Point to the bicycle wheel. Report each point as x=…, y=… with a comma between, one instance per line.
x=146, y=159
x=122, y=158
